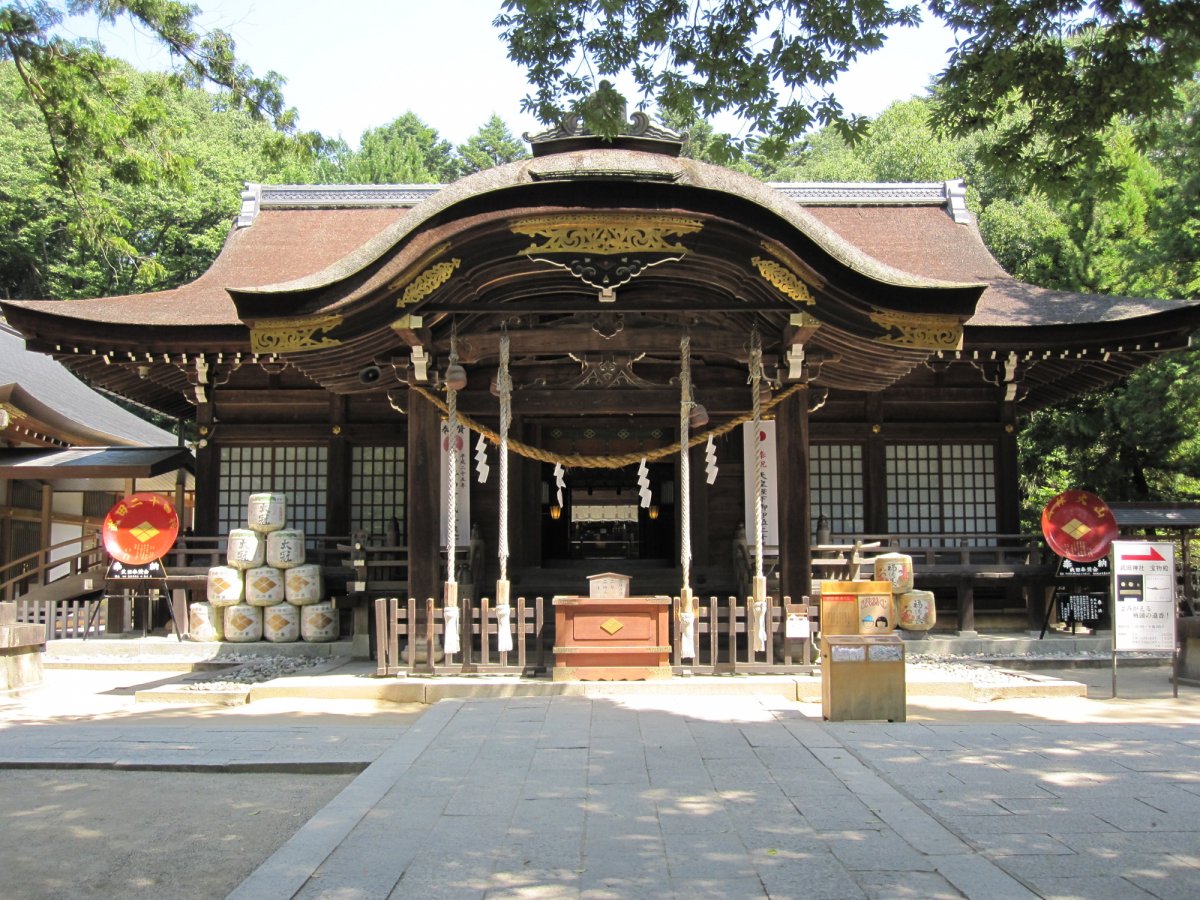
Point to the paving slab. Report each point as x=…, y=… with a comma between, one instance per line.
x=616, y=793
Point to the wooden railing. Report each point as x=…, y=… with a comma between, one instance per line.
x=1020, y=564
x=405, y=629
x=76, y=555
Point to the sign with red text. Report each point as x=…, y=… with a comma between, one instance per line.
x=141, y=528
x=761, y=444
x=1143, y=595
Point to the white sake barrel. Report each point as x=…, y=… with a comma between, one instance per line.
x=918, y=611
x=285, y=548
x=243, y=623
x=266, y=512
x=264, y=586
x=281, y=623
x=896, y=568
x=319, y=623
x=246, y=548
x=304, y=585
x=224, y=586
x=205, y=623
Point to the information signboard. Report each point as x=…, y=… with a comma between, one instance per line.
x=1144, y=596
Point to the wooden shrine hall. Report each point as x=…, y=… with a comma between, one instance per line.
x=593, y=308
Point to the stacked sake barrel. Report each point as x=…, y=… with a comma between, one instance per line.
x=914, y=610
x=266, y=591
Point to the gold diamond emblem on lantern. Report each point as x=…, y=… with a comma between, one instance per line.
x=221, y=585
x=612, y=626
x=144, y=532
x=241, y=621
x=1076, y=529
x=278, y=622
x=320, y=621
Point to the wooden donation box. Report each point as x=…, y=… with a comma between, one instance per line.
x=862, y=677
x=610, y=636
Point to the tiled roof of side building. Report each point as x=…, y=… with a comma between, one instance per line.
x=34, y=380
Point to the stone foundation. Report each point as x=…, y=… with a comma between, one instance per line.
x=21, y=651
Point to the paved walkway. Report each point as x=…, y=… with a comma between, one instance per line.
x=701, y=796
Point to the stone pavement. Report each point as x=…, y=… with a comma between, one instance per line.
x=647, y=795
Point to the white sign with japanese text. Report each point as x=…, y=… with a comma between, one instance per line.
x=761, y=444
x=462, y=499
x=1143, y=595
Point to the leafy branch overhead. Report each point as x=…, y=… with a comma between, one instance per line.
x=92, y=109
x=1069, y=67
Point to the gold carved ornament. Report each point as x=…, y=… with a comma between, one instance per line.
x=609, y=248
x=293, y=335
x=920, y=330
x=606, y=234
x=780, y=274
x=427, y=281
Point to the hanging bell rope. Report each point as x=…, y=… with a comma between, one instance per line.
x=452, y=476
x=504, y=383
x=582, y=461
x=756, y=377
x=685, y=487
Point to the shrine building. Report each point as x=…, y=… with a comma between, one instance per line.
x=852, y=349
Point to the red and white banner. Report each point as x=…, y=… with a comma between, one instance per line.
x=761, y=444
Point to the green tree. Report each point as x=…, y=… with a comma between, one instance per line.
x=159, y=234
x=405, y=151
x=492, y=145
x=1071, y=66
x=86, y=99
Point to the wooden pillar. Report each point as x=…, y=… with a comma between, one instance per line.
x=875, y=518
x=208, y=473
x=795, y=540
x=966, y=606
x=337, y=503
x=1008, y=507
x=423, y=457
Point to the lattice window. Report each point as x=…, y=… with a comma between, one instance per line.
x=836, y=487
x=941, y=488
x=25, y=494
x=299, y=472
x=377, y=490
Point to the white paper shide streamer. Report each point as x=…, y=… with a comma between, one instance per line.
x=710, y=460
x=450, y=643
x=687, y=635
x=760, y=625
x=481, y=463
x=643, y=481
x=504, y=641
x=560, y=481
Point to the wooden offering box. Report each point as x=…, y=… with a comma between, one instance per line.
x=612, y=638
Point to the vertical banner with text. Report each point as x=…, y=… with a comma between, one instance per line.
x=1143, y=595
x=761, y=444
x=463, y=485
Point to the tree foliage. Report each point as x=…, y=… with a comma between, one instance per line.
x=404, y=151
x=158, y=234
x=1052, y=72
x=86, y=99
x=492, y=145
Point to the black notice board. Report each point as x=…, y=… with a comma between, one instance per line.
x=1081, y=590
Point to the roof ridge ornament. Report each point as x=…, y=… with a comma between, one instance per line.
x=640, y=132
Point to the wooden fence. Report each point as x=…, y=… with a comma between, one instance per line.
x=723, y=638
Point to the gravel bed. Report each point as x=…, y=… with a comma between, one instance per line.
x=258, y=669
